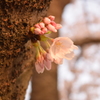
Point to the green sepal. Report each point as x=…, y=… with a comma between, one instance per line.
x=49, y=32
x=43, y=38
x=32, y=29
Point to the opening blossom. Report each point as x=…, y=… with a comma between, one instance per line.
x=43, y=59
x=61, y=47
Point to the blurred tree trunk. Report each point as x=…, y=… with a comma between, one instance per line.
x=16, y=53
x=44, y=86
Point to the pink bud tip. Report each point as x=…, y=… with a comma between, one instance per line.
x=41, y=24
x=37, y=25
x=51, y=28
x=51, y=17
x=46, y=20
x=37, y=31
x=53, y=23
x=44, y=30
x=58, y=26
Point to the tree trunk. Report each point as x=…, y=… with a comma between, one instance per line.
x=16, y=52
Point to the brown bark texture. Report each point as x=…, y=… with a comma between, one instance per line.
x=16, y=51
x=44, y=86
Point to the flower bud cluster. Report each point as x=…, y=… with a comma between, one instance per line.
x=47, y=24
x=61, y=47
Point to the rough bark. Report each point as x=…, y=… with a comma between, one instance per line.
x=16, y=52
x=44, y=86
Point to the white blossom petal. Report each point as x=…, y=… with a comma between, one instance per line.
x=62, y=47
x=47, y=61
x=39, y=68
x=69, y=56
x=58, y=60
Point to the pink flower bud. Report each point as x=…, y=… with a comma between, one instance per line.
x=53, y=23
x=38, y=67
x=41, y=24
x=51, y=28
x=37, y=31
x=58, y=26
x=46, y=20
x=37, y=25
x=44, y=30
x=51, y=17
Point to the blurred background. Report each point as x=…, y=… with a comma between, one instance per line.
x=79, y=78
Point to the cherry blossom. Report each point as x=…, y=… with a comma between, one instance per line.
x=43, y=62
x=43, y=59
x=51, y=17
x=46, y=20
x=51, y=28
x=45, y=30
x=39, y=65
x=37, y=30
x=62, y=47
x=42, y=25
x=58, y=26
x=37, y=26
x=47, y=61
x=53, y=23
x=46, y=25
